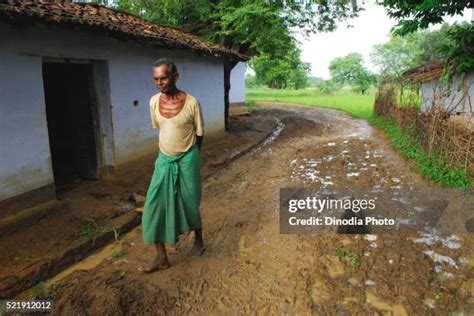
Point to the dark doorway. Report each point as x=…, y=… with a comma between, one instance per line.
x=70, y=112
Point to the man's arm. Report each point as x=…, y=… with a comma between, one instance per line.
x=199, y=141
x=198, y=124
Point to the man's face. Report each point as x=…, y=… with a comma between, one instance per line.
x=163, y=80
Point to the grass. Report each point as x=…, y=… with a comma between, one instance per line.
x=429, y=165
x=353, y=259
x=118, y=253
x=91, y=231
x=43, y=290
x=357, y=105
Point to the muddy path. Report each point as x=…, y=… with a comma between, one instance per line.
x=250, y=268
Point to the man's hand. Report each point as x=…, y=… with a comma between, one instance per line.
x=199, y=141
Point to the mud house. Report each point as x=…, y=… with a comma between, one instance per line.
x=457, y=98
x=75, y=82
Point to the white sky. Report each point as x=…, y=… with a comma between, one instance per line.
x=370, y=28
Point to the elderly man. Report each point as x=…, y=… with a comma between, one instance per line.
x=172, y=202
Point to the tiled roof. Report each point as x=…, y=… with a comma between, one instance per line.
x=115, y=23
x=426, y=72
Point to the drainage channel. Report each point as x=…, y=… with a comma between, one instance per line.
x=271, y=137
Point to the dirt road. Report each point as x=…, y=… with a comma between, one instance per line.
x=249, y=267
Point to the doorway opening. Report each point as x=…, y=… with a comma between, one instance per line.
x=71, y=111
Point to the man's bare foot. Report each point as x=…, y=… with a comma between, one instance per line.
x=157, y=264
x=197, y=250
x=139, y=210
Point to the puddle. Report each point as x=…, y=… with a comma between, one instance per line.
x=363, y=131
x=310, y=175
x=436, y=257
x=353, y=174
x=450, y=242
x=372, y=239
x=370, y=283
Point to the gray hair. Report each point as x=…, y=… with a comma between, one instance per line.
x=172, y=69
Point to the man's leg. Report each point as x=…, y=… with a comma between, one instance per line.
x=198, y=247
x=161, y=261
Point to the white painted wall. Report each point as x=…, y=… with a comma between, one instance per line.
x=126, y=130
x=452, y=99
x=24, y=147
x=237, y=83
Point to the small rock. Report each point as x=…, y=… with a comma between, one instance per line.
x=353, y=281
x=369, y=283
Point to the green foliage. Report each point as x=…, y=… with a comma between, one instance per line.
x=458, y=50
x=118, y=253
x=363, y=80
x=454, y=43
x=314, y=81
x=397, y=55
x=251, y=106
x=43, y=291
x=251, y=82
x=258, y=28
x=350, y=69
x=345, y=256
x=429, y=165
x=87, y=230
x=282, y=68
x=91, y=231
x=419, y=14
x=359, y=106
x=430, y=43
x=328, y=86
x=247, y=26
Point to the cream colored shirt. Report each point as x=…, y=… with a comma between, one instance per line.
x=177, y=134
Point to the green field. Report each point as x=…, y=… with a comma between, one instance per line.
x=357, y=105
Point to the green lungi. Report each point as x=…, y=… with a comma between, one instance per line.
x=173, y=198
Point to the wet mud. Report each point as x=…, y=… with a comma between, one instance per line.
x=250, y=268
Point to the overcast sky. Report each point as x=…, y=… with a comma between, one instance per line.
x=370, y=28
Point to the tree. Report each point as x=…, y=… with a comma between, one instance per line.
x=315, y=81
x=397, y=55
x=282, y=69
x=363, y=80
x=419, y=14
x=345, y=69
x=251, y=81
x=414, y=49
x=430, y=45
x=250, y=27
x=328, y=86
x=349, y=69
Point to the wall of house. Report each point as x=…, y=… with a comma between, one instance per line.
x=123, y=75
x=24, y=147
x=237, y=84
x=459, y=97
